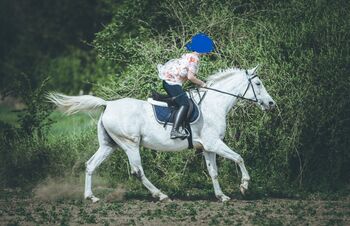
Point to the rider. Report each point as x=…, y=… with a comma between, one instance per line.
x=175, y=72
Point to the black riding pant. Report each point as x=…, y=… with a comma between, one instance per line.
x=178, y=92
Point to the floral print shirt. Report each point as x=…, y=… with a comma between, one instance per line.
x=175, y=71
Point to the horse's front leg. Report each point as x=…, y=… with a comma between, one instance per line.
x=210, y=159
x=220, y=148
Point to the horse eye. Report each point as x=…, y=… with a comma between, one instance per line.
x=258, y=83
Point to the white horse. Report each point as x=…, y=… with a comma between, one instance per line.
x=129, y=123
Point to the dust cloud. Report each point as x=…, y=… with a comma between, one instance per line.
x=73, y=188
x=59, y=188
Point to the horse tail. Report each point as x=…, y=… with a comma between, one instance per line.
x=73, y=104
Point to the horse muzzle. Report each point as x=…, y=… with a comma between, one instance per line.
x=267, y=105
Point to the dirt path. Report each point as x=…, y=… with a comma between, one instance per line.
x=16, y=210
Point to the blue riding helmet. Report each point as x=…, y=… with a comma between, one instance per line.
x=201, y=43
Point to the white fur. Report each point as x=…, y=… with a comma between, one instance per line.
x=73, y=104
x=131, y=123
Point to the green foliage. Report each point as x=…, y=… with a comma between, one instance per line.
x=43, y=39
x=303, y=51
x=33, y=119
x=75, y=72
x=24, y=165
x=25, y=160
x=34, y=31
x=27, y=152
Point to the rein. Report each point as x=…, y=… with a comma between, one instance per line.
x=235, y=95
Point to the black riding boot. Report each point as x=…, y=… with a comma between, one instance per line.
x=180, y=116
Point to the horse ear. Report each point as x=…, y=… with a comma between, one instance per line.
x=252, y=71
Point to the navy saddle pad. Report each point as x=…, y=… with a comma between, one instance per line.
x=164, y=114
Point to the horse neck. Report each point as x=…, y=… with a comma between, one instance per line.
x=220, y=104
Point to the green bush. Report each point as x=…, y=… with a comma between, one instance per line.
x=28, y=153
x=26, y=160
x=75, y=71
x=303, y=49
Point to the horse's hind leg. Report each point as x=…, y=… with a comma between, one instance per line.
x=132, y=150
x=107, y=146
x=210, y=159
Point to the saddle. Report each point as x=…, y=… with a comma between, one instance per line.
x=164, y=98
x=165, y=108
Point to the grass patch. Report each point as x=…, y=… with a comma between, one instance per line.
x=71, y=125
x=9, y=115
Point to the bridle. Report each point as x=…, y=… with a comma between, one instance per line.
x=255, y=100
x=250, y=84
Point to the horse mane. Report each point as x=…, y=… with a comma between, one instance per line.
x=222, y=74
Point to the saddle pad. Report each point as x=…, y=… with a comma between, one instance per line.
x=163, y=113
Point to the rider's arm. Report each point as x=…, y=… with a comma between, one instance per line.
x=192, y=77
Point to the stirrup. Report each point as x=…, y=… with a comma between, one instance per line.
x=187, y=134
x=177, y=134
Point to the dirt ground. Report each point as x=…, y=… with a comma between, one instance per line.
x=19, y=209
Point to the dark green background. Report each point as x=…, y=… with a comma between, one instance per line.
x=106, y=47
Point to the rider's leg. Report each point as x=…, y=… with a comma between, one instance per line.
x=183, y=103
x=179, y=117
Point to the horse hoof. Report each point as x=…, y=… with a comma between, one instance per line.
x=92, y=198
x=243, y=190
x=224, y=198
x=244, y=187
x=163, y=198
x=95, y=199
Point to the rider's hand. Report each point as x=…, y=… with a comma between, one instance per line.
x=204, y=85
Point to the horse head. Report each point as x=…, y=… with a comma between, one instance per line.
x=242, y=84
x=256, y=91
